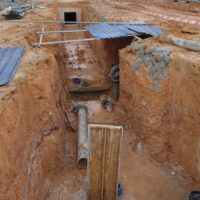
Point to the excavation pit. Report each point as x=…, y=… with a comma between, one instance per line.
x=39, y=148
x=82, y=163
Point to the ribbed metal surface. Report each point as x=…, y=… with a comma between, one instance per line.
x=9, y=60
x=104, y=30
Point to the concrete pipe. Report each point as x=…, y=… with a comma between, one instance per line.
x=82, y=135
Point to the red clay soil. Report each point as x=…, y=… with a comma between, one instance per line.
x=38, y=151
x=167, y=121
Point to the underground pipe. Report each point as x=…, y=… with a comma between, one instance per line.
x=82, y=135
x=116, y=90
x=114, y=74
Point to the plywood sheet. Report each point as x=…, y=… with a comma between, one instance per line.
x=103, y=162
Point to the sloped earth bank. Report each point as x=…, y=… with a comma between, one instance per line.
x=31, y=129
x=158, y=107
x=31, y=126
x=164, y=101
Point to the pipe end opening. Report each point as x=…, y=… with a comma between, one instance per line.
x=82, y=163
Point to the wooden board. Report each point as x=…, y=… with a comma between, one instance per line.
x=103, y=161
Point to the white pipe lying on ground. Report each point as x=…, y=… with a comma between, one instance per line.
x=188, y=44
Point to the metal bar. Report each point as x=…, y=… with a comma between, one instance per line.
x=63, y=22
x=70, y=31
x=33, y=6
x=113, y=10
x=136, y=37
x=62, y=42
x=41, y=36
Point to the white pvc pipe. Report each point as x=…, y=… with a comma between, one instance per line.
x=188, y=44
x=70, y=31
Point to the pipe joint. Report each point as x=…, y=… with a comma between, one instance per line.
x=77, y=106
x=115, y=77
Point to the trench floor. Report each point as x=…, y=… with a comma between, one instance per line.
x=142, y=178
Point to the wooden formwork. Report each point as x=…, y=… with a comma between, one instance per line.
x=103, y=162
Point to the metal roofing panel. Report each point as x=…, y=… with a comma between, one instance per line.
x=105, y=30
x=147, y=29
x=9, y=60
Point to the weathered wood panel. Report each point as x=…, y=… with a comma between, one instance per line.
x=103, y=162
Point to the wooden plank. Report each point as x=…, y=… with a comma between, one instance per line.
x=103, y=162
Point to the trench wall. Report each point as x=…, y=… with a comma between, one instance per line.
x=31, y=135
x=31, y=122
x=161, y=90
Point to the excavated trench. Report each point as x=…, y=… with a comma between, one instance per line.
x=152, y=107
x=142, y=177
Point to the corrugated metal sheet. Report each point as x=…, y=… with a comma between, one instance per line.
x=9, y=60
x=105, y=30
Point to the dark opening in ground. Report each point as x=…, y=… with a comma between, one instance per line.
x=70, y=17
